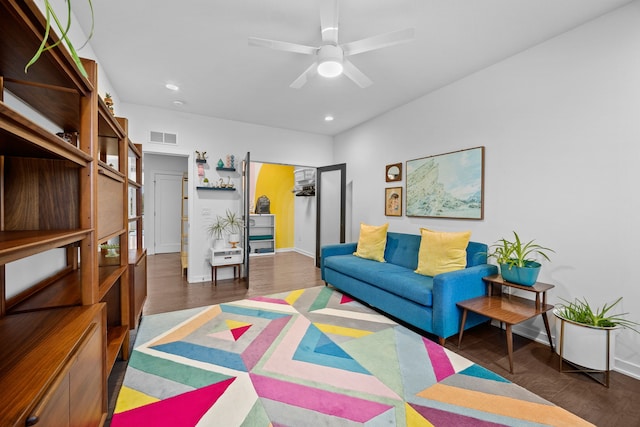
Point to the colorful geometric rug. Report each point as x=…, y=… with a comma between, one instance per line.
x=312, y=357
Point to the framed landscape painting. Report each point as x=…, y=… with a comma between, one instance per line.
x=449, y=185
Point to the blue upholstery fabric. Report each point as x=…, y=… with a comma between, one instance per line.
x=392, y=278
x=428, y=303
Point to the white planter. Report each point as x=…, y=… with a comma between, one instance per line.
x=584, y=345
x=219, y=244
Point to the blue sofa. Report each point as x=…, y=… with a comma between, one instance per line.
x=428, y=303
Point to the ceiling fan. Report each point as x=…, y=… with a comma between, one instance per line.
x=330, y=56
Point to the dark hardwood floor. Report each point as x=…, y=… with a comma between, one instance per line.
x=535, y=366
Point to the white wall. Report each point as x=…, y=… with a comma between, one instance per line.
x=218, y=138
x=560, y=127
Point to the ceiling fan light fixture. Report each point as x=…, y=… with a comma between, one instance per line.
x=330, y=61
x=330, y=69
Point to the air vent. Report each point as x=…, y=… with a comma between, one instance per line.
x=163, y=138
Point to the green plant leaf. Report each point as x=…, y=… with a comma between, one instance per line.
x=580, y=311
x=64, y=30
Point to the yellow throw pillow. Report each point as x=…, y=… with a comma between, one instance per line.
x=372, y=241
x=441, y=252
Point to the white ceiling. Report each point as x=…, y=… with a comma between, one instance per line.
x=201, y=45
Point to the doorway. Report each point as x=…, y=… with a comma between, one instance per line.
x=163, y=193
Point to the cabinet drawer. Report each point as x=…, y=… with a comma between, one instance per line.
x=227, y=259
x=226, y=256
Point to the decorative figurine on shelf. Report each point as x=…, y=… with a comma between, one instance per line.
x=233, y=161
x=205, y=182
x=228, y=161
x=220, y=163
x=108, y=101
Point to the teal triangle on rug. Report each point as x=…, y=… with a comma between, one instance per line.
x=311, y=357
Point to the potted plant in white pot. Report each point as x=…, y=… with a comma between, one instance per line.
x=234, y=225
x=216, y=230
x=516, y=259
x=584, y=334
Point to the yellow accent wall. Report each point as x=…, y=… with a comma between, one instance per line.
x=276, y=182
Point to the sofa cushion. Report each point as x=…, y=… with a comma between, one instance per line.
x=441, y=252
x=402, y=249
x=392, y=278
x=372, y=242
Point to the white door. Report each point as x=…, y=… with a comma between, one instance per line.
x=167, y=202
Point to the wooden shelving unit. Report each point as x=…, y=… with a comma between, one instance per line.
x=184, y=225
x=65, y=309
x=111, y=200
x=137, y=252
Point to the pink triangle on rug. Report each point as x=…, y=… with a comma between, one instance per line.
x=183, y=410
x=238, y=332
x=345, y=299
x=271, y=300
x=440, y=362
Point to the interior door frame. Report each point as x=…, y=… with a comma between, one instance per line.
x=246, y=199
x=342, y=167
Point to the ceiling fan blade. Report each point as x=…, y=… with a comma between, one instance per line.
x=329, y=21
x=378, y=42
x=305, y=76
x=355, y=74
x=284, y=46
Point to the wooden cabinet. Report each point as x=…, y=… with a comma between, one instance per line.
x=111, y=217
x=137, y=252
x=53, y=374
x=65, y=230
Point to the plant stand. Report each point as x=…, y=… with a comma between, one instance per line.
x=508, y=309
x=590, y=372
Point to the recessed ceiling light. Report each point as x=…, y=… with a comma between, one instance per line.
x=178, y=103
x=171, y=86
x=328, y=118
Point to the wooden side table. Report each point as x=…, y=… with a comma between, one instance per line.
x=227, y=257
x=508, y=309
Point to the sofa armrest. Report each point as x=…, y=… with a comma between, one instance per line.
x=452, y=287
x=337, y=249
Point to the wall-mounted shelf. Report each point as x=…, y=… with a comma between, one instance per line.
x=201, y=160
x=215, y=188
x=225, y=169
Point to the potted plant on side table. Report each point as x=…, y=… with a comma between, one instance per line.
x=216, y=230
x=516, y=259
x=585, y=338
x=234, y=225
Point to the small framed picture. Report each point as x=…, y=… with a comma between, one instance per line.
x=393, y=201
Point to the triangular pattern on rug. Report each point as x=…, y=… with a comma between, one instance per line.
x=315, y=347
x=438, y=417
x=184, y=410
x=346, y=299
x=323, y=401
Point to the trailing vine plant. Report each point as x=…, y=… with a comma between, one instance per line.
x=50, y=16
